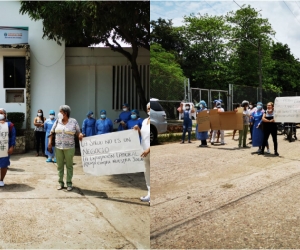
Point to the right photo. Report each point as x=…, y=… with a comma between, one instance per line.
x=225, y=116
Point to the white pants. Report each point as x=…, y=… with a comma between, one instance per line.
x=147, y=172
x=214, y=135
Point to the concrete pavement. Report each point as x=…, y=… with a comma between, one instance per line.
x=100, y=212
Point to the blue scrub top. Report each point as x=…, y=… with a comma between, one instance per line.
x=88, y=126
x=131, y=123
x=124, y=116
x=103, y=126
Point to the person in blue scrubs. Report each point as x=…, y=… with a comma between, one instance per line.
x=202, y=136
x=88, y=125
x=124, y=117
x=48, y=126
x=135, y=120
x=103, y=125
x=187, y=123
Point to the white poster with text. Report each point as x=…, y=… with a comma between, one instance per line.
x=4, y=140
x=112, y=153
x=287, y=109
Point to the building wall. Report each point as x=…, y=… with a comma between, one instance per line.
x=89, y=80
x=47, y=64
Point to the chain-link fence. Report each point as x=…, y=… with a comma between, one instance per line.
x=239, y=93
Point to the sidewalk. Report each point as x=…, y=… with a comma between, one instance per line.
x=100, y=212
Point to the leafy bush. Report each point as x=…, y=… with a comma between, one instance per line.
x=17, y=118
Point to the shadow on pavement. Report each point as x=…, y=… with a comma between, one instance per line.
x=15, y=187
x=136, y=180
x=104, y=196
x=15, y=169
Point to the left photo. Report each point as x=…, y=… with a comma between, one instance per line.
x=75, y=125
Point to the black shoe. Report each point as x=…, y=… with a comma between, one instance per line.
x=276, y=154
x=189, y=142
x=261, y=153
x=182, y=142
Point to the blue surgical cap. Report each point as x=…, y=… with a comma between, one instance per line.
x=126, y=105
x=89, y=113
x=51, y=112
x=203, y=103
x=259, y=103
x=218, y=104
x=217, y=100
x=135, y=111
x=102, y=111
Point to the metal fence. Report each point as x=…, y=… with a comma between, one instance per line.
x=238, y=93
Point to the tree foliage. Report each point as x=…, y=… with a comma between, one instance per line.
x=85, y=23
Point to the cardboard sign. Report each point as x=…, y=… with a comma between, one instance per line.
x=4, y=140
x=214, y=119
x=287, y=109
x=203, y=121
x=112, y=153
x=229, y=120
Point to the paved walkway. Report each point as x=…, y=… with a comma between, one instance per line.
x=100, y=212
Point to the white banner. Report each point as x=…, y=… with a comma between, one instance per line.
x=3, y=140
x=13, y=35
x=112, y=153
x=287, y=109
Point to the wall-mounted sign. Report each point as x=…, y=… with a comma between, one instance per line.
x=13, y=35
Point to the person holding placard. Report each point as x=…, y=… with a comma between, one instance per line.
x=88, y=125
x=269, y=127
x=103, y=125
x=64, y=130
x=220, y=109
x=144, y=132
x=7, y=143
x=202, y=136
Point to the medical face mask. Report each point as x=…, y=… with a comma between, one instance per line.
x=133, y=116
x=250, y=106
x=125, y=109
x=1, y=117
x=91, y=116
x=103, y=116
x=60, y=116
x=148, y=113
x=39, y=114
x=187, y=108
x=259, y=107
x=51, y=116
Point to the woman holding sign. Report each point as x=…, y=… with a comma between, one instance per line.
x=145, y=143
x=7, y=143
x=65, y=129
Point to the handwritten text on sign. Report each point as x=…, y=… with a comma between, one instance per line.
x=112, y=153
x=3, y=140
x=287, y=109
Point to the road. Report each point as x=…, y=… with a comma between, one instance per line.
x=225, y=197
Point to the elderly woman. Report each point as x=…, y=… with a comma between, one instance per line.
x=145, y=143
x=202, y=136
x=88, y=125
x=65, y=129
x=123, y=117
x=103, y=125
x=48, y=126
x=7, y=141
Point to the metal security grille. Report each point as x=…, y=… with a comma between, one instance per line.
x=124, y=88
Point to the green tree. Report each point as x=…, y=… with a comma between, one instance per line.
x=84, y=23
x=166, y=76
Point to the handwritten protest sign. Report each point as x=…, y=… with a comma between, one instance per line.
x=4, y=140
x=113, y=153
x=203, y=121
x=287, y=109
x=214, y=119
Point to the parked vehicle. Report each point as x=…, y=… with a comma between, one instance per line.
x=158, y=120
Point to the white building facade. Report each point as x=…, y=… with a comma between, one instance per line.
x=83, y=78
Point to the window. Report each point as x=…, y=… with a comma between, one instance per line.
x=124, y=90
x=14, y=72
x=156, y=106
